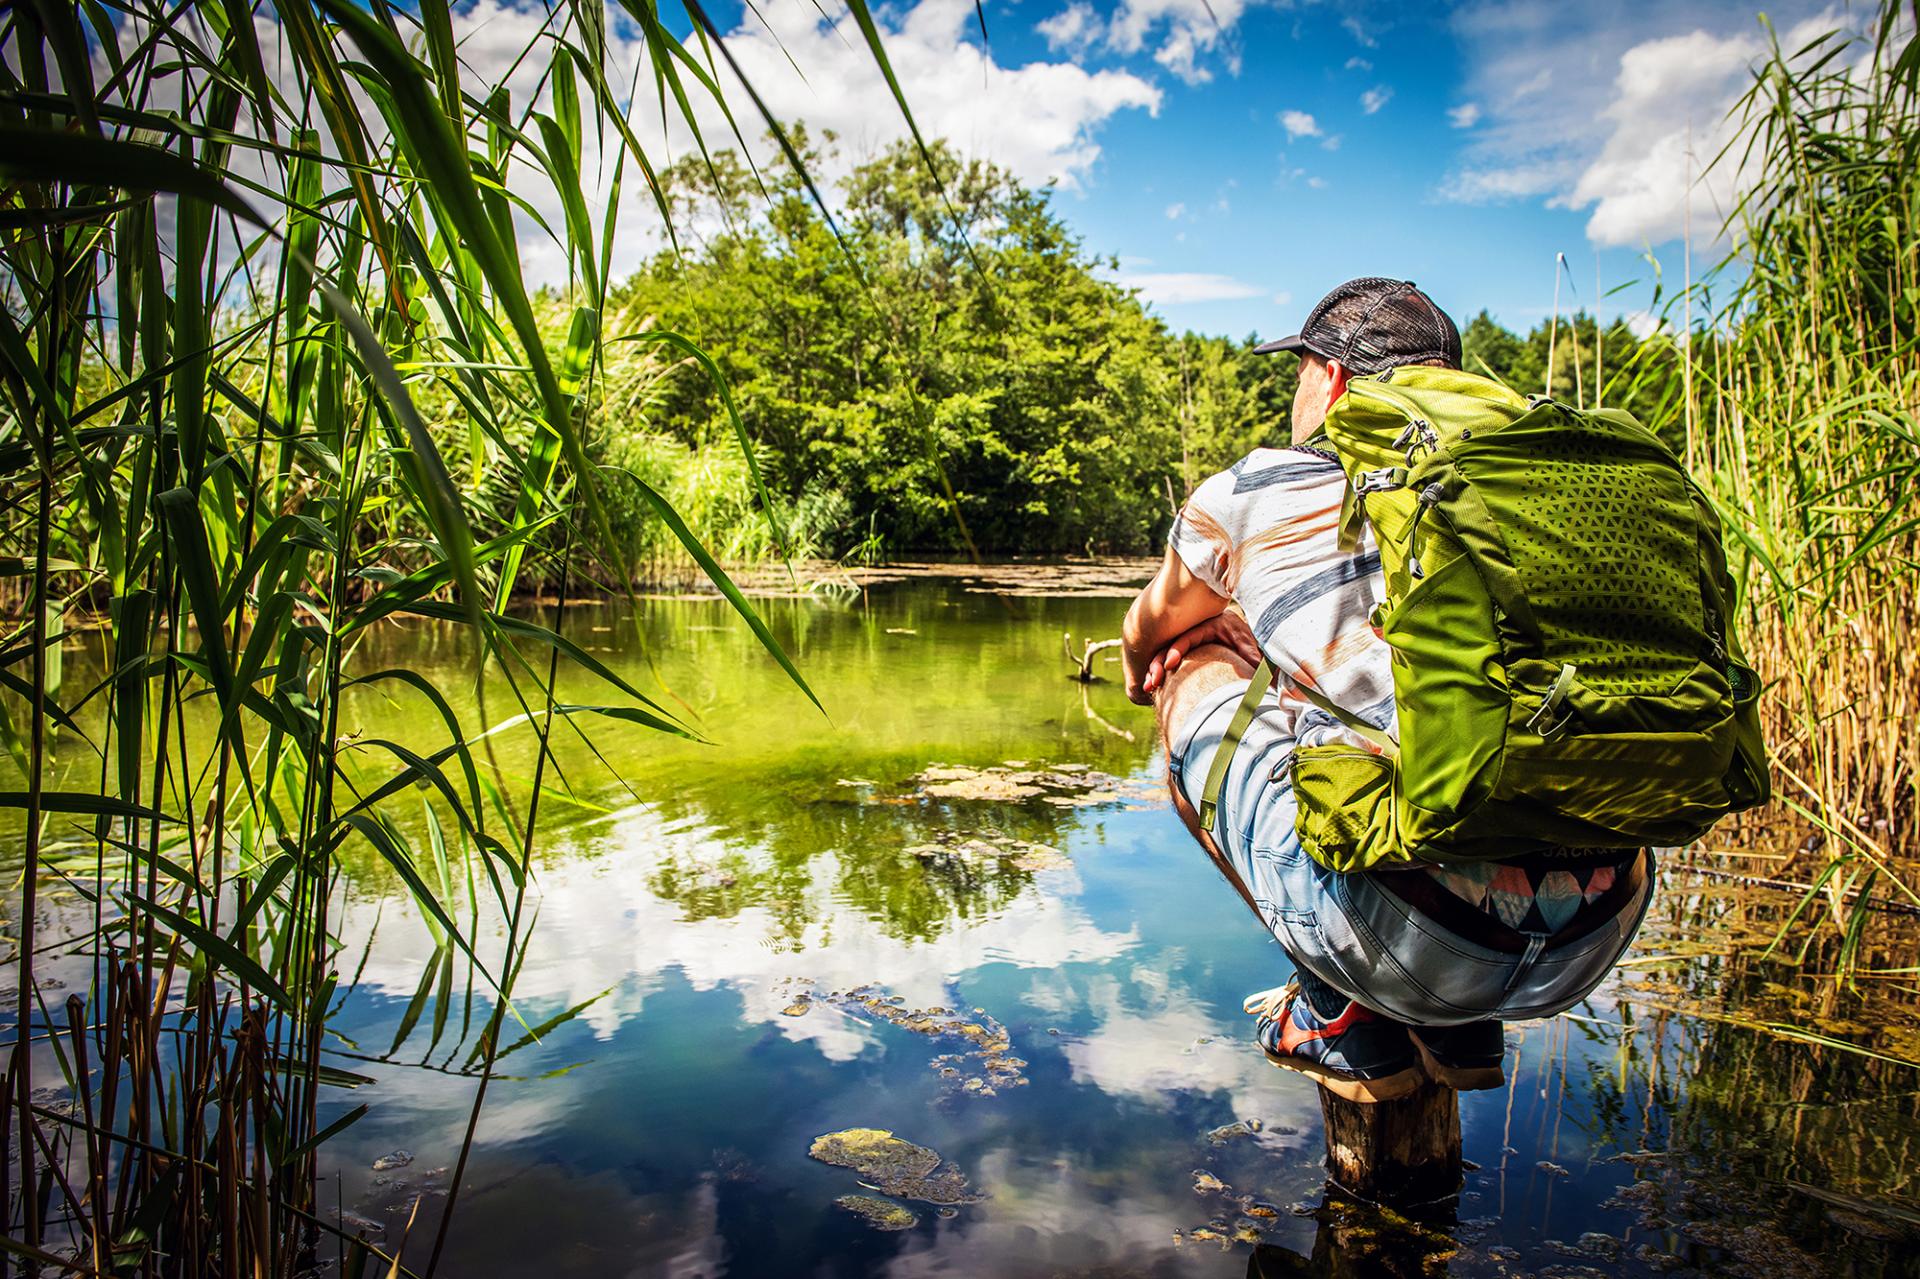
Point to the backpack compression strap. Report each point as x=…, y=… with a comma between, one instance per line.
x=1243, y=718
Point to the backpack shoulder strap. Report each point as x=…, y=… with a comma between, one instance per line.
x=1236, y=729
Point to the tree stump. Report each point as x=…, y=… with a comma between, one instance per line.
x=1395, y=1152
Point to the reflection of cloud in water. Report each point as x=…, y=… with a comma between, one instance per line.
x=1050, y=1217
x=1153, y=1053
x=601, y=925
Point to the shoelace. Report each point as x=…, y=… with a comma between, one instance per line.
x=1271, y=1005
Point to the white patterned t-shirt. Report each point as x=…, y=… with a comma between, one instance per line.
x=1265, y=533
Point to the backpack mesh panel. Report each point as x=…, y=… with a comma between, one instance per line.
x=1609, y=566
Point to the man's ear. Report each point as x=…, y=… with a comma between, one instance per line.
x=1338, y=375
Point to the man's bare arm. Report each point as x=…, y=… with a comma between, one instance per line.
x=1174, y=602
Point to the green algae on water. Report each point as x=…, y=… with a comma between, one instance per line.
x=881, y=1214
x=894, y=1166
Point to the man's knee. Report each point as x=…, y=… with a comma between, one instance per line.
x=1205, y=669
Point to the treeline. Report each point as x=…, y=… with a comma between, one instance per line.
x=959, y=372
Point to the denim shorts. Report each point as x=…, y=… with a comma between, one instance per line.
x=1348, y=930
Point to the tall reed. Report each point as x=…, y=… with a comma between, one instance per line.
x=1808, y=422
x=228, y=277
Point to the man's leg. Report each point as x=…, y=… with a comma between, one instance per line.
x=1348, y=1049
x=1204, y=671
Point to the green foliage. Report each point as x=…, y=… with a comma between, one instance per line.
x=964, y=344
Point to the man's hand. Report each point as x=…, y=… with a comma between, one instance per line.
x=1173, y=603
x=1229, y=629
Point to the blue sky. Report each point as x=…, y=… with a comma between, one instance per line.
x=1241, y=158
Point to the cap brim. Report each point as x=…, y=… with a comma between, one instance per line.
x=1295, y=343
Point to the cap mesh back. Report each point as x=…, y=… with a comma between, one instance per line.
x=1376, y=323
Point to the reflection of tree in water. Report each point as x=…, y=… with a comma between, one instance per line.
x=871, y=833
x=1784, y=1144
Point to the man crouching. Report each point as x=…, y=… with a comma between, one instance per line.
x=1399, y=974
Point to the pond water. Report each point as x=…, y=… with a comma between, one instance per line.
x=733, y=942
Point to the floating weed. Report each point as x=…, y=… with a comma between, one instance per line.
x=894, y=1166
x=881, y=1214
x=1062, y=785
x=988, y=1045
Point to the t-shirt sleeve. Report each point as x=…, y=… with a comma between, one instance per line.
x=1202, y=533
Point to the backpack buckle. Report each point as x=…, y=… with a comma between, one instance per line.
x=1387, y=477
x=1542, y=720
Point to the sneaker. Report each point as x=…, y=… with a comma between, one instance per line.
x=1464, y=1058
x=1358, y=1055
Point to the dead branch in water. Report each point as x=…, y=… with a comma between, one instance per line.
x=1085, y=661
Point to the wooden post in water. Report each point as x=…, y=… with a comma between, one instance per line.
x=1396, y=1152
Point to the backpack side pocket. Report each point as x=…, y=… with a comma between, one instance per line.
x=1345, y=816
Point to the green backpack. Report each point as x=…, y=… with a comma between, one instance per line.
x=1559, y=611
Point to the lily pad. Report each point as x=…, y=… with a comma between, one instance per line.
x=893, y=1165
x=881, y=1214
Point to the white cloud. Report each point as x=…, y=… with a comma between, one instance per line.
x=1156, y=1044
x=1373, y=99
x=1617, y=112
x=1464, y=116
x=1176, y=211
x=1183, y=32
x=1509, y=182
x=1075, y=28
x=1669, y=118
x=1299, y=124
x=1283, y=297
x=1358, y=63
x=1643, y=323
x=1042, y=114
x=1039, y=119
x=1177, y=288
x=1359, y=32
x=1316, y=182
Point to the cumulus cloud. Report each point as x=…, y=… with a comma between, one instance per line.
x=1181, y=35
x=1075, y=28
x=1618, y=112
x=1176, y=211
x=1177, y=288
x=1373, y=99
x=1042, y=117
x=1299, y=124
x=1358, y=63
x=1669, y=118
x=1464, y=116
x=1039, y=119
